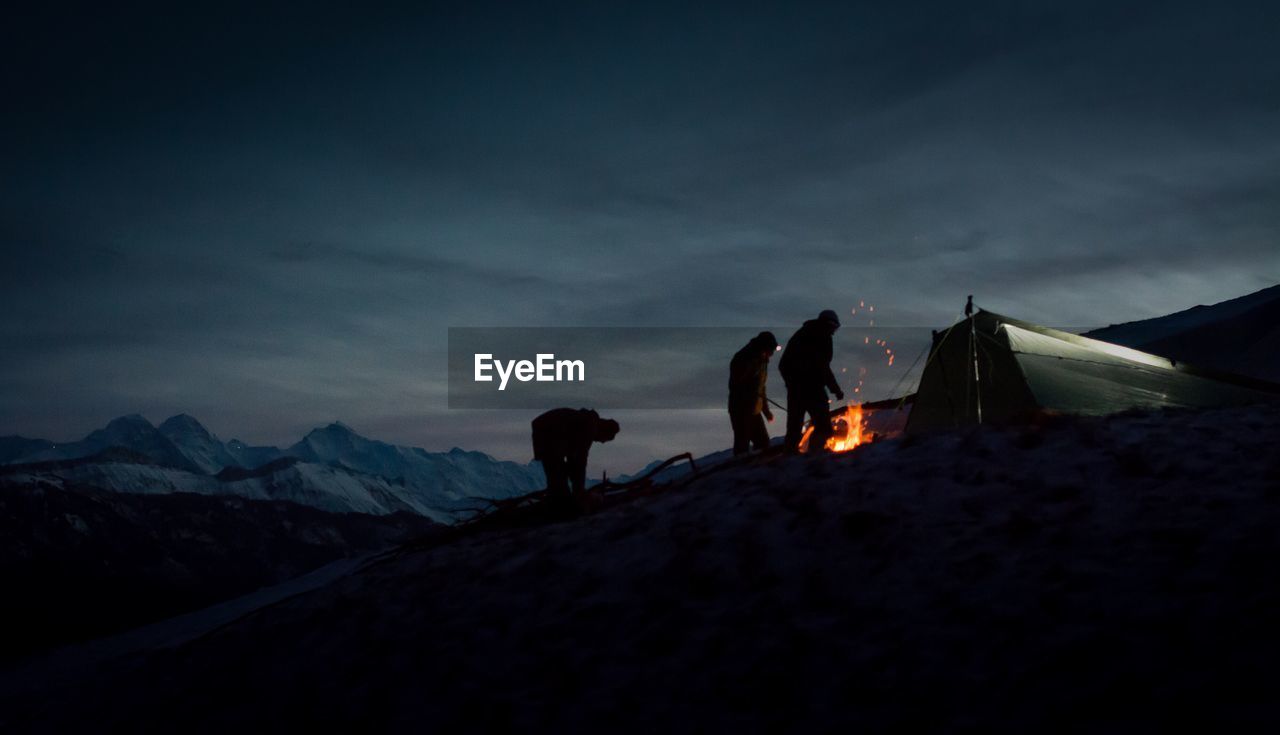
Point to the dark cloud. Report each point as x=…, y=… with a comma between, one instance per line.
x=425, y=265
x=269, y=218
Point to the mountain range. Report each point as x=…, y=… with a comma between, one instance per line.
x=331, y=468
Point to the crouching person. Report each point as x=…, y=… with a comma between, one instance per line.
x=562, y=439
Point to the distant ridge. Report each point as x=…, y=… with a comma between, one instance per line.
x=1241, y=335
x=332, y=468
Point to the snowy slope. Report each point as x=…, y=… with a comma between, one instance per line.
x=132, y=475
x=333, y=489
x=251, y=456
x=1087, y=575
x=186, y=627
x=1138, y=333
x=1248, y=344
x=81, y=563
x=454, y=476
x=197, y=444
x=1239, y=336
x=327, y=488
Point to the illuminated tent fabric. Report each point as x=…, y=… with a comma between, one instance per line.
x=1023, y=368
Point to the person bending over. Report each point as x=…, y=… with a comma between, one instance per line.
x=562, y=439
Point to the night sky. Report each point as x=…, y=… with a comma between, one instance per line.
x=269, y=218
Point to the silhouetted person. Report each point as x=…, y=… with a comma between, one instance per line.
x=748, y=402
x=561, y=441
x=806, y=370
x=968, y=307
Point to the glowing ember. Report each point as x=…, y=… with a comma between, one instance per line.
x=849, y=430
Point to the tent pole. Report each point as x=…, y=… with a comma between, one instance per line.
x=977, y=383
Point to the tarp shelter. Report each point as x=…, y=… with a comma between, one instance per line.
x=989, y=368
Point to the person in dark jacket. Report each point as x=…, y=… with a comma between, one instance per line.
x=806, y=370
x=748, y=402
x=562, y=438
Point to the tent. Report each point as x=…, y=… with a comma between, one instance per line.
x=989, y=368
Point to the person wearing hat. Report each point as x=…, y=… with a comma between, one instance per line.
x=748, y=403
x=806, y=371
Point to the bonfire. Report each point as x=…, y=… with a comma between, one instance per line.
x=849, y=424
x=848, y=430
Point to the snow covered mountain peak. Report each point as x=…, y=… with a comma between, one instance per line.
x=335, y=431
x=198, y=444
x=128, y=422
x=332, y=468
x=131, y=432
x=329, y=443
x=184, y=425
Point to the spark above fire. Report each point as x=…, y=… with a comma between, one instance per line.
x=849, y=423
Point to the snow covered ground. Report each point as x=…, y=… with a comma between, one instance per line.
x=67, y=661
x=1097, y=575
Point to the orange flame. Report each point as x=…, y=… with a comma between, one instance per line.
x=849, y=430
